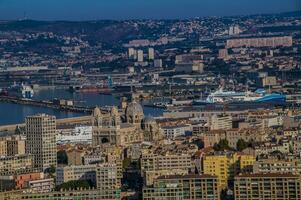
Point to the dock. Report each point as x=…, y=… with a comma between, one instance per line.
x=46, y=104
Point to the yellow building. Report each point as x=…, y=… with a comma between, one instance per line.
x=226, y=165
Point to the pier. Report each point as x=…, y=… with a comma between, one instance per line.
x=47, y=104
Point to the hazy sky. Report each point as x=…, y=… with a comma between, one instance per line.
x=125, y=9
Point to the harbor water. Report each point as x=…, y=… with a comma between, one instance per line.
x=13, y=113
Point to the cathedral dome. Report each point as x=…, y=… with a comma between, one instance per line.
x=134, y=108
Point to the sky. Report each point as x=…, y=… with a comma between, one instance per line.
x=76, y=10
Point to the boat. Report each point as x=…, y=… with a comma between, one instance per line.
x=259, y=96
x=27, y=91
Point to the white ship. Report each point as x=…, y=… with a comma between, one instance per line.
x=27, y=91
x=258, y=96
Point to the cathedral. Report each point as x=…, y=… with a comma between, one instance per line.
x=125, y=129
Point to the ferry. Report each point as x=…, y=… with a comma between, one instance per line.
x=27, y=91
x=259, y=96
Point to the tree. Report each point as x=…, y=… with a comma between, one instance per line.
x=62, y=157
x=241, y=145
x=75, y=184
x=222, y=145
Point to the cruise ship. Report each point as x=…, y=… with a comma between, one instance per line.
x=259, y=96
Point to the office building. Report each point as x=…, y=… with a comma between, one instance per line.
x=41, y=140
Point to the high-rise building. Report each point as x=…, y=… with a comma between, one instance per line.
x=41, y=140
x=140, y=55
x=267, y=186
x=151, y=53
x=183, y=187
x=132, y=53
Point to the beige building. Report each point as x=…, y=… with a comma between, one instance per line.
x=57, y=195
x=3, y=147
x=75, y=156
x=286, y=41
x=12, y=145
x=75, y=172
x=41, y=140
x=277, y=166
x=151, y=176
x=220, y=121
x=232, y=136
x=170, y=161
x=108, y=181
x=14, y=164
x=267, y=186
x=269, y=81
x=185, y=187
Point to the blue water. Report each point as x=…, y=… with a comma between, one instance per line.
x=14, y=113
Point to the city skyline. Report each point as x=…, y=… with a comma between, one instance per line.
x=133, y=9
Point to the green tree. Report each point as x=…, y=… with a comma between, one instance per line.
x=241, y=145
x=73, y=185
x=222, y=145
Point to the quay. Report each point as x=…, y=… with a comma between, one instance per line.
x=48, y=104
